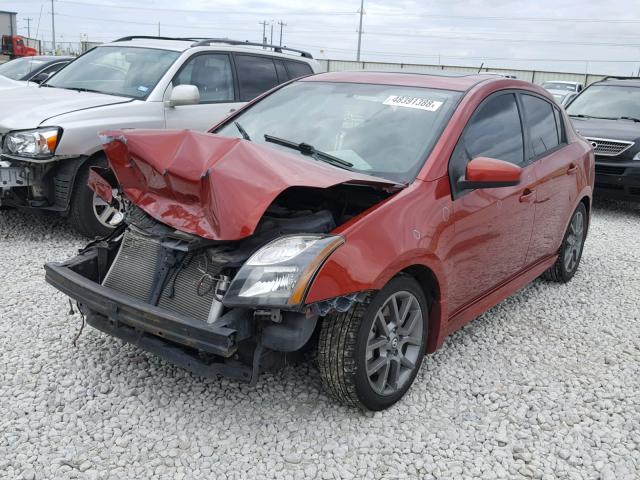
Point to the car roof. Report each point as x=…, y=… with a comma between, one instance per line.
x=439, y=79
x=620, y=81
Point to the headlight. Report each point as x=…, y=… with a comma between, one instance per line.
x=38, y=144
x=279, y=274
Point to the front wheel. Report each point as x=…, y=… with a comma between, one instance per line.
x=370, y=355
x=89, y=214
x=570, y=252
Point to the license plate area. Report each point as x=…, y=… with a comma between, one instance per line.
x=14, y=177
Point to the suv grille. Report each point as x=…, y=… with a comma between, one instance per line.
x=606, y=147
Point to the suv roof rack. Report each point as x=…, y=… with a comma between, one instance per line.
x=153, y=37
x=617, y=77
x=203, y=42
x=276, y=48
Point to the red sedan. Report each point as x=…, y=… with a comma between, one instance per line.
x=364, y=216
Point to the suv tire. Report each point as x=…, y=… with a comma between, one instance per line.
x=83, y=215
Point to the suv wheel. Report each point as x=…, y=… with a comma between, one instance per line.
x=370, y=355
x=89, y=214
x=571, y=249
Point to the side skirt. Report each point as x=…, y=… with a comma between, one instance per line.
x=495, y=296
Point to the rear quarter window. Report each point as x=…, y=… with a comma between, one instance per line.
x=298, y=69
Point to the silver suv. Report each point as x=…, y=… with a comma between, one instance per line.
x=50, y=134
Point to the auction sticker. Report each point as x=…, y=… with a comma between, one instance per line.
x=413, y=102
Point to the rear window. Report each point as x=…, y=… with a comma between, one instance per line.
x=542, y=124
x=298, y=69
x=256, y=75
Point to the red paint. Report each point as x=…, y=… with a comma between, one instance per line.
x=479, y=248
x=483, y=169
x=212, y=186
x=100, y=186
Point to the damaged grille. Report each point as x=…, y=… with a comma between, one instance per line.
x=134, y=269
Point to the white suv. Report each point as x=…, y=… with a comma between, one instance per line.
x=50, y=134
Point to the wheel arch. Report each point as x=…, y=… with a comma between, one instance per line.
x=431, y=287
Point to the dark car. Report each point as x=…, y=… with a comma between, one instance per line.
x=367, y=215
x=607, y=114
x=33, y=69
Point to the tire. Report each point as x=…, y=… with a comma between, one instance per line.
x=83, y=214
x=571, y=248
x=343, y=356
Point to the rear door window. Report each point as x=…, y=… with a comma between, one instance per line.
x=283, y=76
x=541, y=121
x=256, y=75
x=298, y=69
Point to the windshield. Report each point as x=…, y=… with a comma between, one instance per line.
x=609, y=101
x=567, y=87
x=126, y=71
x=19, y=68
x=380, y=130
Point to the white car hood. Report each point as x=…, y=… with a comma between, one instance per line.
x=30, y=107
x=8, y=83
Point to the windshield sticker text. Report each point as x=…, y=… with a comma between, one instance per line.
x=413, y=102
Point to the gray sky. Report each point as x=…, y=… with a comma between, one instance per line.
x=557, y=35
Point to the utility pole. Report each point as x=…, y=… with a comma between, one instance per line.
x=271, y=41
x=264, y=32
x=28, y=20
x=158, y=28
x=360, y=29
x=282, y=24
x=53, y=27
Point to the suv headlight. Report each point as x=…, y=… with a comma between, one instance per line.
x=279, y=274
x=37, y=144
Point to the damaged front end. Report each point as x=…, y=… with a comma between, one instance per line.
x=213, y=305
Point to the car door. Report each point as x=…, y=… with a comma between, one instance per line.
x=556, y=170
x=212, y=73
x=492, y=225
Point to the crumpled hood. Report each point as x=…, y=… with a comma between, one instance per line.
x=29, y=106
x=625, y=130
x=209, y=185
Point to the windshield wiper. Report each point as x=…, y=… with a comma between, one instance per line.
x=310, y=150
x=633, y=119
x=82, y=89
x=242, y=131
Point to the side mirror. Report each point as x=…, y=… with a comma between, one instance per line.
x=184, y=95
x=41, y=77
x=484, y=172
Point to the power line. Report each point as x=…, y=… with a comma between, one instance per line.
x=282, y=25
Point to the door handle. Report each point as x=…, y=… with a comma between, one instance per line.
x=527, y=195
x=232, y=110
x=573, y=168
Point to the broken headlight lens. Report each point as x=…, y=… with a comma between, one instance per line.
x=279, y=274
x=38, y=144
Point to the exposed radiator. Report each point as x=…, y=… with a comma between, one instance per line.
x=135, y=266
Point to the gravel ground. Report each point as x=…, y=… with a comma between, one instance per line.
x=545, y=385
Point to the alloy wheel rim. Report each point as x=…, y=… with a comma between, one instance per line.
x=393, y=343
x=574, y=242
x=108, y=215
